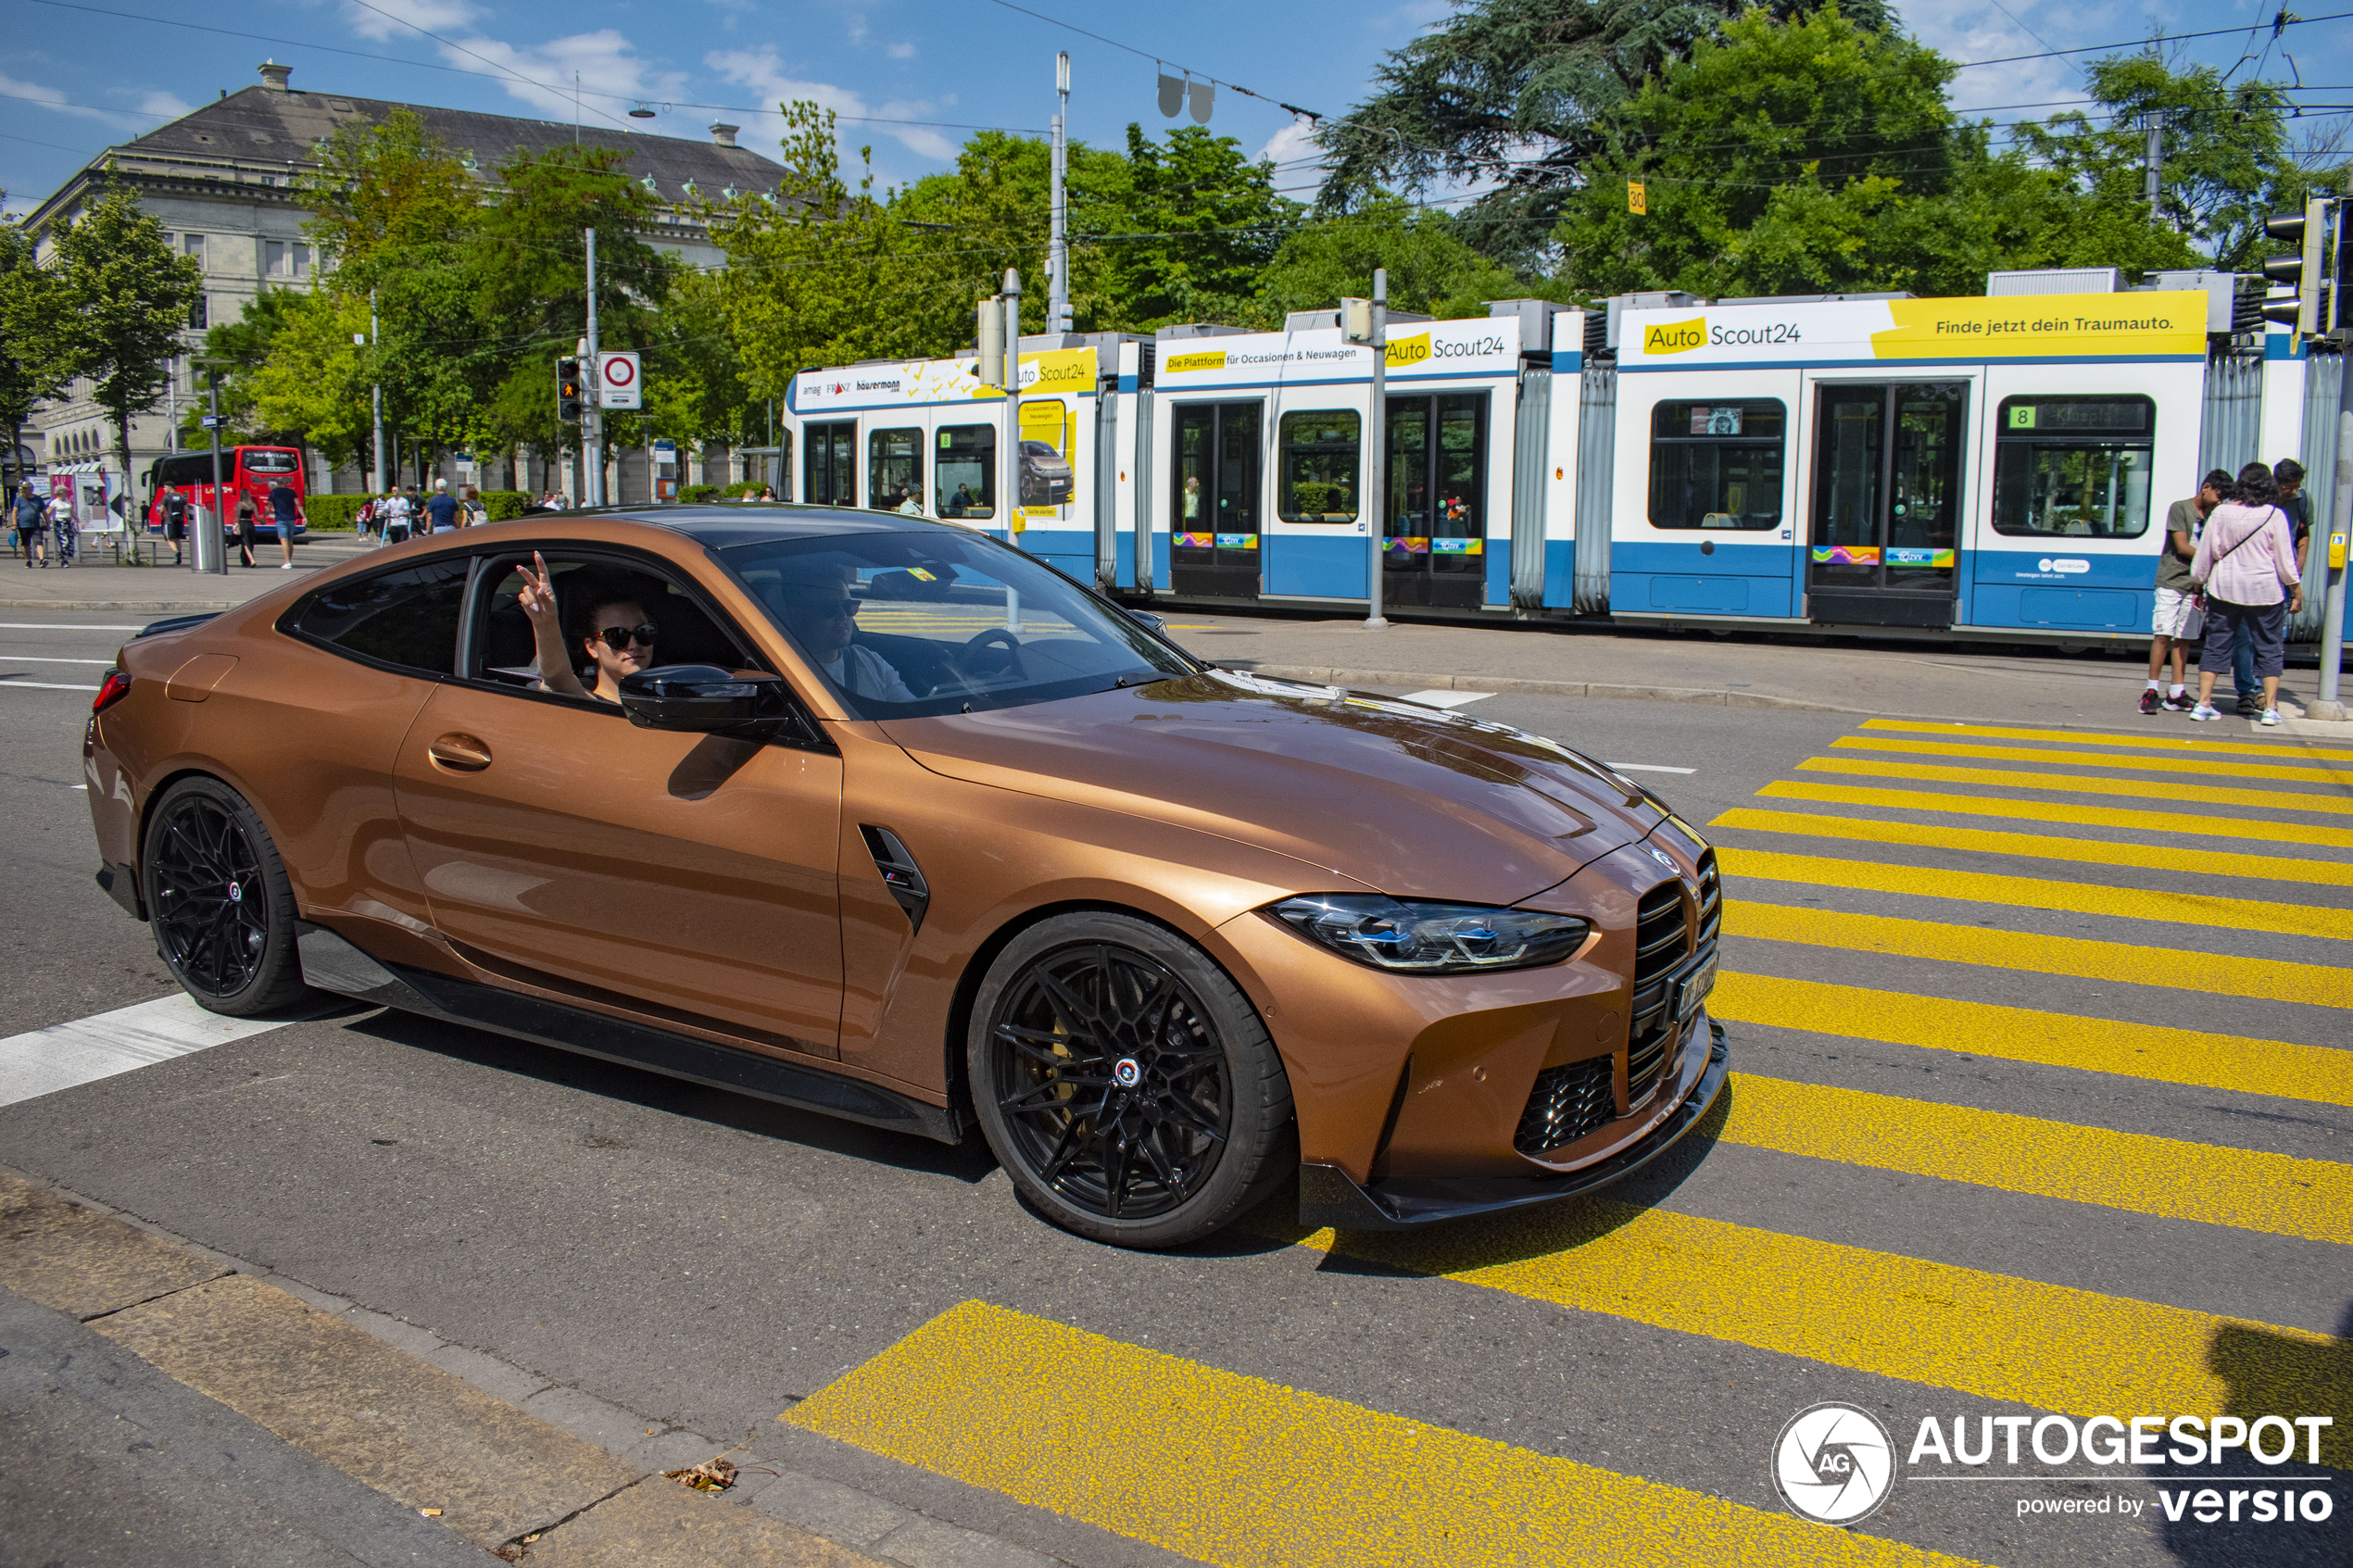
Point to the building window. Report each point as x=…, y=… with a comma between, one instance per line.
x=193, y=246
x=273, y=258
x=198, y=315
x=1717, y=465
x=301, y=260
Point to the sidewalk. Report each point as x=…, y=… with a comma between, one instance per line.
x=162, y=590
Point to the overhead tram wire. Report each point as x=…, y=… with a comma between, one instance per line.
x=2138, y=42
x=1159, y=59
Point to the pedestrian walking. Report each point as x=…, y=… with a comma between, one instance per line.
x=62, y=530
x=443, y=510
x=398, y=516
x=32, y=527
x=247, y=514
x=175, y=523
x=285, y=515
x=365, y=518
x=472, y=513
x=2246, y=569
x=2171, y=628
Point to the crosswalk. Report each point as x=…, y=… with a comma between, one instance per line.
x=1981, y=896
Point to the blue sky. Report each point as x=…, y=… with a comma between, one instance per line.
x=79, y=78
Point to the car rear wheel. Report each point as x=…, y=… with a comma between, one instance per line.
x=1126, y=1084
x=219, y=901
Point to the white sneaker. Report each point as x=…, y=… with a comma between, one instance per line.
x=2271, y=717
x=286, y=566
x=2205, y=710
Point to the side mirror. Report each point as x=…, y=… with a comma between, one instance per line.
x=1148, y=622
x=703, y=698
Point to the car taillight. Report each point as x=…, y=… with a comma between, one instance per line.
x=113, y=689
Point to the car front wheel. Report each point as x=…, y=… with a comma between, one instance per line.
x=219, y=901
x=1126, y=1085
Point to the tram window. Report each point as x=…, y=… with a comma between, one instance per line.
x=1319, y=458
x=895, y=470
x=2075, y=467
x=1717, y=465
x=965, y=471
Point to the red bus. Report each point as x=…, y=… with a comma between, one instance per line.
x=244, y=471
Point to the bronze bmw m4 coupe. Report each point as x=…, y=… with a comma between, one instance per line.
x=888, y=820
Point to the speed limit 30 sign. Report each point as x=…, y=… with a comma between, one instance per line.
x=620, y=381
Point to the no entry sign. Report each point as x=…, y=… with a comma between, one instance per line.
x=620, y=383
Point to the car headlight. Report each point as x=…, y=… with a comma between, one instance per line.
x=1426, y=938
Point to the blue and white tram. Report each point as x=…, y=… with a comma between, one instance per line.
x=1925, y=466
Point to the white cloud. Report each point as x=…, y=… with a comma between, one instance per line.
x=1293, y=141
x=542, y=75
x=764, y=74
x=164, y=105
x=1977, y=30
x=382, y=19
x=901, y=51
x=54, y=98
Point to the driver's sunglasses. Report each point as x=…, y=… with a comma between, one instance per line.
x=831, y=606
x=619, y=637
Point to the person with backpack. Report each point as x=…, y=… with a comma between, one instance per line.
x=175, y=523
x=2174, y=629
x=32, y=527
x=2245, y=571
x=247, y=515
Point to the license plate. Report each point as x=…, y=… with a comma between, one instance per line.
x=1697, y=985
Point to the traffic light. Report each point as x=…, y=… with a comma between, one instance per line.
x=2307, y=230
x=568, y=390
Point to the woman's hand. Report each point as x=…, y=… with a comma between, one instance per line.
x=537, y=598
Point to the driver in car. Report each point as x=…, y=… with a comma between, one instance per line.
x=821, y=617
x=608, y=619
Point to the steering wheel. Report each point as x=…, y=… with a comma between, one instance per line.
x=996, y=637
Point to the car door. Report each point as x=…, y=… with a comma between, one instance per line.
x=690, y=878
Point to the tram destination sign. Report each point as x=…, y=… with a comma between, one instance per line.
x=2143, y=326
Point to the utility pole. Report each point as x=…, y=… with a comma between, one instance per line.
x=375, y=339
x=1058, y=243
x=1013, y=404
x=592, y=411
x=2329, y=557
x=211, y=534
x=1376, y=509
x=2155, y=158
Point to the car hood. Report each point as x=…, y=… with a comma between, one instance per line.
x=1417, y=802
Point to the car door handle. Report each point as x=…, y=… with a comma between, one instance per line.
x=462, y=753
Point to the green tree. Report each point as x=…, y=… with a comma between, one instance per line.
x=307, y=382
x=1192, y=233
x=28, y=354
x=1432, y=269
x=121, y=298
x=238, y=350
x=387, y=186
x=1517, y=96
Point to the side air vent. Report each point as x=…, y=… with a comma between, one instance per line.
x=1567, y=1104
x=900, y=874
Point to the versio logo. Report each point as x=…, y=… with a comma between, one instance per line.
x=1834, y=1463
x=1674, y=337
x=1181, y=362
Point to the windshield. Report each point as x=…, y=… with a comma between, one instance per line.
x=905, y=625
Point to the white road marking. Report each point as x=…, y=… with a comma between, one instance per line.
x=1447, y=699
x=45, y=685
x=44, y=627
x=105, y=1044
x=1649, y=767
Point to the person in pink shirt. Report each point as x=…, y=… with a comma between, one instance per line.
x=2245, y=567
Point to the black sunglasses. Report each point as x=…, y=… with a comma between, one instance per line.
x=829, y=607
x=620, y=638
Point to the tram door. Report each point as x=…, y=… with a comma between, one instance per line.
x=829, y=456
x=1887, y=504
x=1435, y=525
x=1213, y=512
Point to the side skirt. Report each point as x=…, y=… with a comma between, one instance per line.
x=332, y=963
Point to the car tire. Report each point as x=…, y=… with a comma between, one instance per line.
x=1126, y=1084
x=218, y=902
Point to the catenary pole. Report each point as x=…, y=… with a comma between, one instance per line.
x=1012, y=463
x=1058, y=245
x=1376, y=507
x=2340, y=528
x=375, y=338
x=592, y=407
x=220, y=511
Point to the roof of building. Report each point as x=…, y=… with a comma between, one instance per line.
x=276, y=124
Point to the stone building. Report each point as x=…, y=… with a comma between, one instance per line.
x=222, y=179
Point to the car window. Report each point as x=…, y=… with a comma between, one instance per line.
x=942, y=622
x=407, y=619
x=505, y=650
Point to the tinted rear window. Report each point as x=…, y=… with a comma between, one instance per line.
x=407, y=618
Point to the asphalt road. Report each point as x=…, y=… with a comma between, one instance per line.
x=1935, y=1195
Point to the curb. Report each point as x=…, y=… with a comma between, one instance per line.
x=527, y=1470
x=1428, y=681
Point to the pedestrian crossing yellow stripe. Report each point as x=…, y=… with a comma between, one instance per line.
x=2156, y=1052
x=2083, y=784
x=2252, y=1190
x=2047, y=1347
x=2175, y=824
x=2122, y=963
x=2042, y=893
x=2198, y=766
x=2090, y=851
x=2289, y=746
x=1235, y=1470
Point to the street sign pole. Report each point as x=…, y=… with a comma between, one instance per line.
x=1373, y=509
x=375, y=339
x=2332, y=559
x=592, y=422
x=210, y=537
x=1012, y=405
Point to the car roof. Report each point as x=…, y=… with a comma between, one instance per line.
x=717, y=527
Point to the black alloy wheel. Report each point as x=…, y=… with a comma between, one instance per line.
x=219, y=900
x=1125, y=1083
